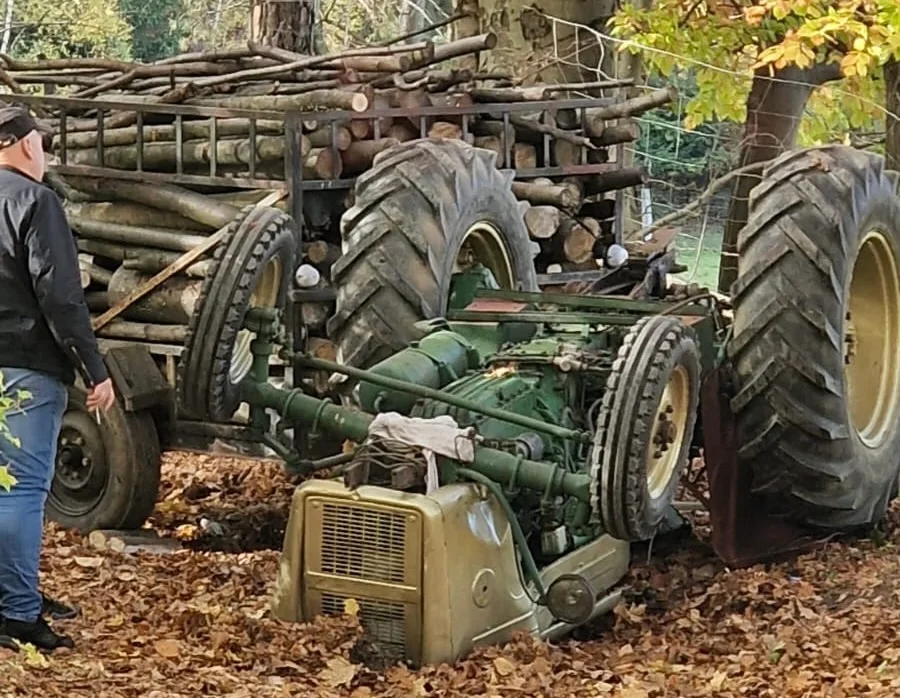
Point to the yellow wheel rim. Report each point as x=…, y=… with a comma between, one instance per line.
x=871, y=346
x=265, y=295
x=483, y=244
x=668, y=431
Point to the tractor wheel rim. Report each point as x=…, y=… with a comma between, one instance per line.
x=483, y=243
x=667, y=432
x=265, y=295
x=80, y=468
x=871, y=346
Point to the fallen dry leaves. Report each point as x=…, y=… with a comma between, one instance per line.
x=196, y=622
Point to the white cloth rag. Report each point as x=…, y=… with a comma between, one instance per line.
x=440, y=435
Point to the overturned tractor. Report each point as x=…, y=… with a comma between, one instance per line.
x=504, y=461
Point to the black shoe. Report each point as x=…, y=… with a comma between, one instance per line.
x=56, y=610
x=38, y=634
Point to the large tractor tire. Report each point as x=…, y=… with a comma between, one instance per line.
x=106, y=475
x=418, y=212
x=645, y=427
x=816, y=338
x=252, y=267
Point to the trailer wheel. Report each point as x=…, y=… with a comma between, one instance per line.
x=422, y=208
x=645, y=427
x=251, y=267
x=816, y=338
x=106, y=475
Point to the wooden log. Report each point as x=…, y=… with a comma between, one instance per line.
x=542, y=221
x=596, y=117
x=308, y=101
x=619, y=133
x=95, y=273
x=140, y=258
x=492, y=143
x=322, y=348
x=315, y=315
x=142, y=331
x=359, y=156
x=564, y=153
x=615, y=179
x=162, y=156
x=321, y=163
x=163, y=238
x=444, y=129
x=402, y=131
x=408, y=54
x=366, y=128
x=167, y=197
x=524, y=156
x=322, y=137
x=321, y=254
x=244, y=197
x=458, y=48
x=573, y=241
x=132, y=214
x=172, y=303
x=591, y=224
x=166, y=132
x=451, y=101
x=539, y=93
x=564, y=197
x=96, y=301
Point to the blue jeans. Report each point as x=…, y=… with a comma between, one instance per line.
x=36, y=425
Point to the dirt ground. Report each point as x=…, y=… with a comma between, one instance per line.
x=196, y=623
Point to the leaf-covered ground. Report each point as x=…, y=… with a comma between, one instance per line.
x=196, y=622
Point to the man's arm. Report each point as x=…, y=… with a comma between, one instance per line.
x=53, y=265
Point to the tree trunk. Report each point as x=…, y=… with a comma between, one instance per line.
x=774, y=110
x=892, y=103
x=288, y=25
x=526, y=37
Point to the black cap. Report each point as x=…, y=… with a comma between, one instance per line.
x=17, y=122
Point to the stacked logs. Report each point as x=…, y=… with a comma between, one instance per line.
x=127, y=231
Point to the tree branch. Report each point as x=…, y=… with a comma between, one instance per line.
x=707, y=194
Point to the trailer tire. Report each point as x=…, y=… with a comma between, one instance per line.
x=120, y=486
x=814, y=303
x=413, y=213
x=256, y=255
x=633, y=477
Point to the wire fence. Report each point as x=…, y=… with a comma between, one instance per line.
x=687, y=165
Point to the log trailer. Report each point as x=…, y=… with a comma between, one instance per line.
x=501, y=464
x=383, y=228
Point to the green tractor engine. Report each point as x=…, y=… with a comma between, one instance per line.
x=503, y=464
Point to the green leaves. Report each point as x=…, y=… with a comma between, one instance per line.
x=723, y=52
x=7, y=479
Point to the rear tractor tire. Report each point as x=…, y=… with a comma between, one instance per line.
x=816, y=338
x=424, y=211
x=645, y=427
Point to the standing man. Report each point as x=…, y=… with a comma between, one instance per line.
x=45, y=335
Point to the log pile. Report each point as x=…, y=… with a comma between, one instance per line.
x=127, y=231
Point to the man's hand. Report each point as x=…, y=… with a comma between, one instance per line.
x=101, y=396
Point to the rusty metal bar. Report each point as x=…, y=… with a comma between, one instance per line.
x=252, y=137
x=139, y=153
x=179, y=145
x=213, y=146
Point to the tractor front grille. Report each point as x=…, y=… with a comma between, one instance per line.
x=363, y=543
x=371, y=553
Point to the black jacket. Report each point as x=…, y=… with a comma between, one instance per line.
x=42, y=307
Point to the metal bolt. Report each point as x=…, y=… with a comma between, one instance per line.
x=79, y=440
x=85, y=461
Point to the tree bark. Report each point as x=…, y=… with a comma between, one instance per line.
x=774, y=110
x=892, y=103
x=287, y=25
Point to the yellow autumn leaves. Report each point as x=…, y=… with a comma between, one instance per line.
x=859, y=36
